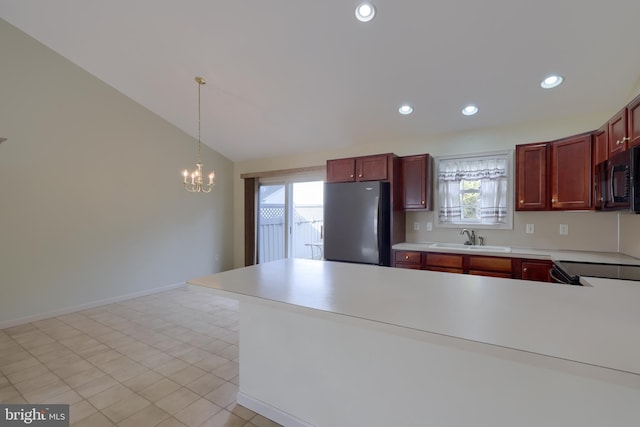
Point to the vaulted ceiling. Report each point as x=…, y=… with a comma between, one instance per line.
x=287, y=76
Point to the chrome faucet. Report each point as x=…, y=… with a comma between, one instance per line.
x=471, y=236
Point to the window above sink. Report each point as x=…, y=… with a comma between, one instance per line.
x=474, y=190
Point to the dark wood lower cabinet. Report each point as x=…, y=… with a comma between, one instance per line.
x=535, y=269
x=452, y=263
x=444, y=269
x=408, y=259
x=481, y=265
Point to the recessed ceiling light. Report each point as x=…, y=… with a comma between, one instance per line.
x=469, y=110
x=365, y=12
x=405, y=109
x=551, y=81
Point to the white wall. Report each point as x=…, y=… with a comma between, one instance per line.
x=91, y=201
x=596, y=231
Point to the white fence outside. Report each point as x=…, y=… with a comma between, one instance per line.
x=306, y=233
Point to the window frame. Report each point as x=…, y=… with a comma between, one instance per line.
x=508, y=225
x=251, y=202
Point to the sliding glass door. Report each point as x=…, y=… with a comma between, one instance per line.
x=290, y=220
x=272, y=222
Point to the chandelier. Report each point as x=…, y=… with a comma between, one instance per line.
x=193, y=182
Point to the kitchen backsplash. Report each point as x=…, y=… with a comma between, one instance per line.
x=588, y=231
x=630, y=234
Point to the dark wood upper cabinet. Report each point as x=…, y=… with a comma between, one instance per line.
x=531, y=177
x=633, y=115
x=373, y=168
x=600, y=145
x=555, y=175
x=341, y=170
x=618, y=132
x=416, y=182
x=571, y=172
x=366, y=168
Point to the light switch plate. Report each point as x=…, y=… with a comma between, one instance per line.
x=564, y=229
x=530, y=229
x=429, y=226
x=416, y=226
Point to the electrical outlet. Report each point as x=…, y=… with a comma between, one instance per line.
x=564, y=229
x=416, y=226
x=530, y=229
x=429, y=226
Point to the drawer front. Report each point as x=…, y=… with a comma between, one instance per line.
x=408, y=257
x=444, y=260
x=488, y=263
x=445, y=269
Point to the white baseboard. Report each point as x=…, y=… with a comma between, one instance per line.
x=34, y=318
x=268, y=411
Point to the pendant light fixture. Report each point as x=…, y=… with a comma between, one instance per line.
x=193, y=182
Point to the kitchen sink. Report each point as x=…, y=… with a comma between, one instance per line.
x=463, y=247
x=450, y=246
x=490, y=248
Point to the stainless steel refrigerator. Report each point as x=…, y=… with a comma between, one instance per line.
x=357, y=222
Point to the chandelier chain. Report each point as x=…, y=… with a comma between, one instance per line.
x=199, y=143
x=193, y=182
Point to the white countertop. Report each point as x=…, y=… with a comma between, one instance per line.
x=550, y=254
x=597, y=325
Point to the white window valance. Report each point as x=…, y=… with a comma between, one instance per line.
x=459, y=169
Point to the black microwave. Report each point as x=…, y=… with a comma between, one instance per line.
x=619, y=179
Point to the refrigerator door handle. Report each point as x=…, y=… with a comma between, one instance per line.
x=378, y=224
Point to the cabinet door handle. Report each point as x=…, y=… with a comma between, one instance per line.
x=625, y=139
x=351, y=176
x=524, y=269
x=521, y=201
x=618, y=142
x=553, y=200
x=406, y=257
x=359, y=175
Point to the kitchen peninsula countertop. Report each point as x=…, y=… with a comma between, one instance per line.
x=549, y=254
x=596, y=325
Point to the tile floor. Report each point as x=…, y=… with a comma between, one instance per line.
x=168, y=359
